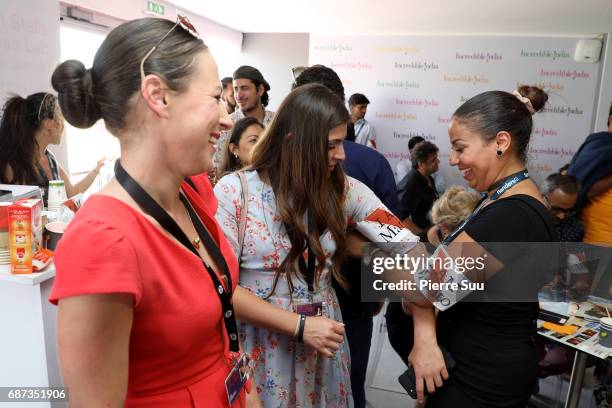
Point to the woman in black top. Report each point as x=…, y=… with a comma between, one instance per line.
x=490, y=342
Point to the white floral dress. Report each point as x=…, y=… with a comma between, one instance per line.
x=288, y=373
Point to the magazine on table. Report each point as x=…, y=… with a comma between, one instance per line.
x=585, y=338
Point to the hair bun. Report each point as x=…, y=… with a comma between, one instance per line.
x=76, y=93
x=536, y=96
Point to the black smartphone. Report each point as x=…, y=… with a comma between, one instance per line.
x=408, y=379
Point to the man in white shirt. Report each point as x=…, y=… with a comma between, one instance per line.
x=365, y=133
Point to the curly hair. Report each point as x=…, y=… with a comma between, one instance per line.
x=454, y=206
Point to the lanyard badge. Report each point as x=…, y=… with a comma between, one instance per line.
x=239, y=377
x=310, y=309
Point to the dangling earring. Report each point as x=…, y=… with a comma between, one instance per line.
x=499, y=153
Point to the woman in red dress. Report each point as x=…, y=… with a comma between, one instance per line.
x=146, y=281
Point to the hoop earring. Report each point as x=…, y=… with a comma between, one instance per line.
x=499, y=153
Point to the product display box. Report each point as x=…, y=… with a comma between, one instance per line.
x=25, y=233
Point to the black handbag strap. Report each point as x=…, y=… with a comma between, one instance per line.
x=151, y=207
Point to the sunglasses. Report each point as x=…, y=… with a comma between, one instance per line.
x=181, y=20
x=42, y=108
x=296, y=72
x=557, y=210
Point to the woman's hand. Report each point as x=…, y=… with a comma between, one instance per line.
x=323, y=334
x=252, y=399
x=354, y=243
x=100, y=164
x=429, y=367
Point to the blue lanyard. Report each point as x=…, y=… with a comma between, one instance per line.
x=506, y=184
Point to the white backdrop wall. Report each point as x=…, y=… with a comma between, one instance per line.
x=29, y=49
x=415, y=83
x=30, y=43
x=274, y=55
x=224, y=42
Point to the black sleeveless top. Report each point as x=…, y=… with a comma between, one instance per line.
x=492, y=342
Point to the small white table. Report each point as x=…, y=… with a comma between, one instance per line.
x=28, y=349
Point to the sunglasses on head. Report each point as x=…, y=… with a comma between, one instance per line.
x=181, y=20
x=49, y=108
x=41, y=107
x=296, y=72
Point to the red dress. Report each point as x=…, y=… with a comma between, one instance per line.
x=178, y=341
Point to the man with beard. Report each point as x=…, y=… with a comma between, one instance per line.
x=420, y=191
x=251, y=95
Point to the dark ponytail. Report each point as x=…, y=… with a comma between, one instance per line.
x=21, y=118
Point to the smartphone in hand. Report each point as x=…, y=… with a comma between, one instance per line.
x=408, y=378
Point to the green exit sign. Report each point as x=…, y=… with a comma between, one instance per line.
x=155, y=8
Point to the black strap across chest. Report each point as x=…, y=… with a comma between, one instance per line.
x=307, y=267
x=151, y=207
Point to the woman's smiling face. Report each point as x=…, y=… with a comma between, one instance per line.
x=473, y=155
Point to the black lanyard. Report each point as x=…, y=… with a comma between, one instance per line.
x=309, y=271
x=505, y=184
x=151, y=207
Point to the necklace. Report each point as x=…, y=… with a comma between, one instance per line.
x=196, y=242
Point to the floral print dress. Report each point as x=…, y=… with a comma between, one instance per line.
x=288, y=373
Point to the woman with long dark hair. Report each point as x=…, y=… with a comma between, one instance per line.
x=237, y=152
x=29, y=125
x=297, y=210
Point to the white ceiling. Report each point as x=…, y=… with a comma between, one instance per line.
x=408, y=16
